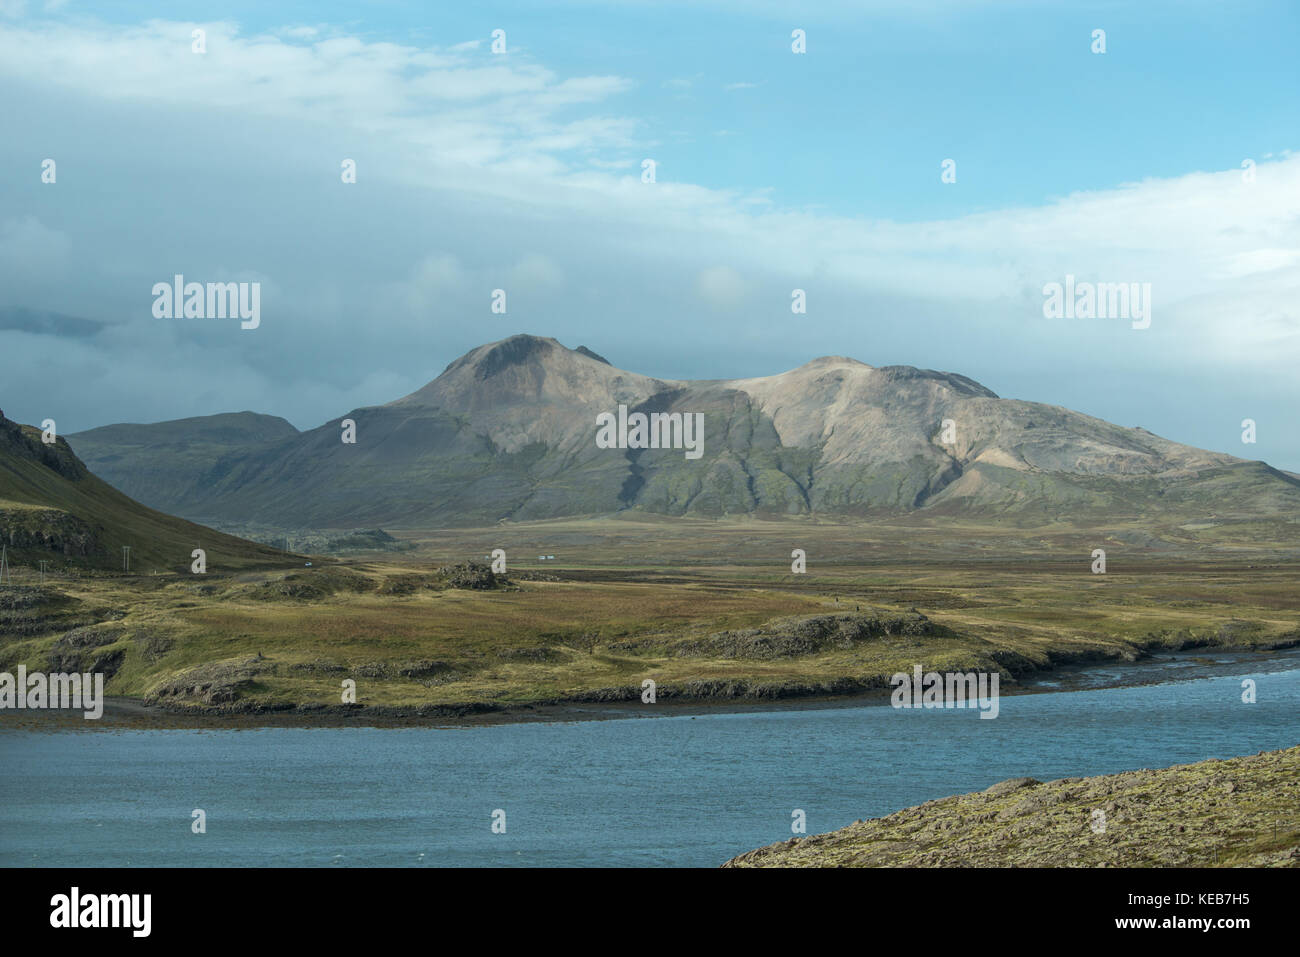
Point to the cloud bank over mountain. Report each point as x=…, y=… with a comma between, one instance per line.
x=479, y=172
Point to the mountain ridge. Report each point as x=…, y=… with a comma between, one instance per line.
x=507, y=432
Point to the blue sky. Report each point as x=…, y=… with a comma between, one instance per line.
x=1012, y=89
x=818, y=171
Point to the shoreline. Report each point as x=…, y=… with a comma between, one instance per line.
x=122, y=713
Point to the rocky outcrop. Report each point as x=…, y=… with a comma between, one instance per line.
x=47, y=530
x=218, y=683
x=795, y=636
x=470, y=575
x=79, y=650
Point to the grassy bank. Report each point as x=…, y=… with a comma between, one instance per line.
x=625, y=606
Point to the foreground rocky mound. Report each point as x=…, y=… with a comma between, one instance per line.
x=472, y=575
x=1234, y=813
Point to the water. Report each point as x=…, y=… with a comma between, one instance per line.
x=677, y=790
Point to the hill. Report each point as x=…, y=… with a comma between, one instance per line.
x=53, y=507
x=164, y=463
x=1236, y=813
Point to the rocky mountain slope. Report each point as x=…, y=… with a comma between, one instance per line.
x=508, y=431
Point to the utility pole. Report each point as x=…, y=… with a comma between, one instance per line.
x=126, y=558
x=44, y=563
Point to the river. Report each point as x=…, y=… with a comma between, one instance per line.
x=686, y=788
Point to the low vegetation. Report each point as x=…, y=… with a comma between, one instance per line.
x=437, y=632
x=1234, y=813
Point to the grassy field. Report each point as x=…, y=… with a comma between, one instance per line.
x=707, y=612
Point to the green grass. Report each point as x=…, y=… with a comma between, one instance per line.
x=634, y=600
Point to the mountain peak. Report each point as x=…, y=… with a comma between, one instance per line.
x=26, y=442
x=528, y=368
x=822, y=361
x=514, y=351
x=494, y=357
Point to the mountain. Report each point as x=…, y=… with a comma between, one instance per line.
x=53, y=507
x=161, y=463
x=508, y=431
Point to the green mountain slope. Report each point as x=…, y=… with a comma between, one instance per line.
x=164, y=463
x=53, y=507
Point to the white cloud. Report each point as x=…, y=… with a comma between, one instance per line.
x=721, y=286
x=454, y=119
x=433, y=279
x=30, y=250
x=1254, y=261
x=612, y=164
x=537, y=270
x=489, y=111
